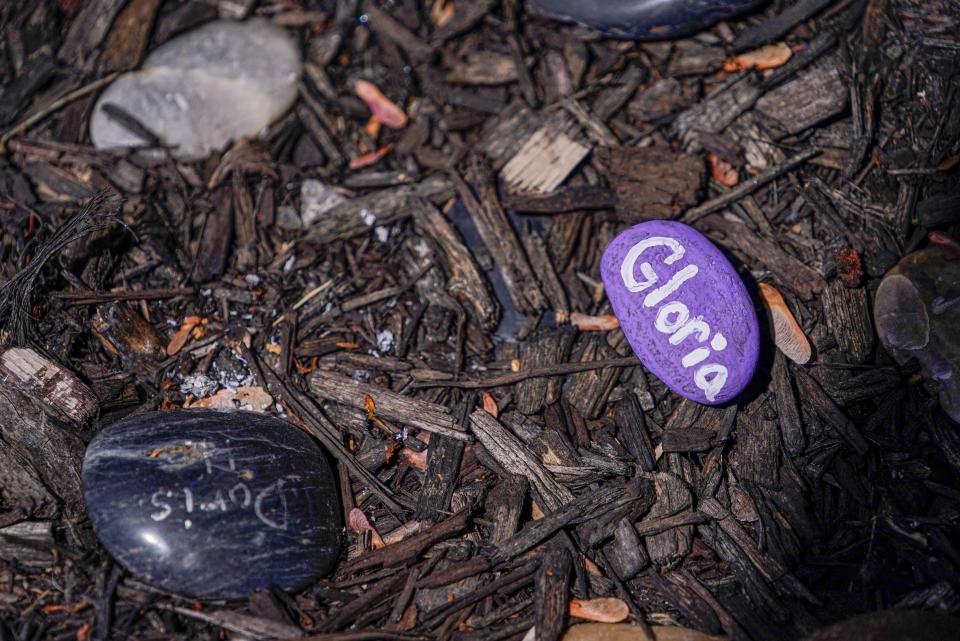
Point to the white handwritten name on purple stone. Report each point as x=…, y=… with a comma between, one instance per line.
x=673, y=318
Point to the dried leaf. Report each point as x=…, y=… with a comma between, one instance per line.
x=369, y=158
x=490, y=405
x=359, y=523
x=385, y=110
x=254, y=399
x=627, y=632
x=768, y=57
x=722, y=171
x=587, y=323
x=373, y=127
x=441, y=12
x=183, y=334
x=787, y=335
x=273, y=348
x=603, y=610
x=949, y=163
x=590, y=566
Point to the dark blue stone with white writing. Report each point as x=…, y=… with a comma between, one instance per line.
x=643, y=18
x=213, y=504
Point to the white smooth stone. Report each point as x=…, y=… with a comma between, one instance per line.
x=223, y=81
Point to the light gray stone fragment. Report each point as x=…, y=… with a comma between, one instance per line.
x=196, y=93
x=316, y=199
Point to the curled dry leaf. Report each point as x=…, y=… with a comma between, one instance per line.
x=946, y=242
x=949, y=163
x=359, y=523
x=627, y=632
x=371, y=406
x=373, y=127
x=254, y=399
x=590, y=566
x=787, y=335
x=183, y=335
x=382, y=107
x=441, y=12
x=490, y=405
x=586, y=323
x=602, y=610
x=767, y=57
x=369, y=158
x=535, y=512
x=722, y=171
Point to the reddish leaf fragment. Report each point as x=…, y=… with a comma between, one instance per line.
x=385, y=110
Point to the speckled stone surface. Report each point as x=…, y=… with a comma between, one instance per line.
x=211, y=503
x=205, y=88
x=644, y=18
x=684, y=310
x=917, y=311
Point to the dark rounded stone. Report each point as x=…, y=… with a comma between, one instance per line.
x=917, y=314
x=213, y=503
x=643, y=18
x=891, y=625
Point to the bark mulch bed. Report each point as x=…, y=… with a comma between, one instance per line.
x=525, y=459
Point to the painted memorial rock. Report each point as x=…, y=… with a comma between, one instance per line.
x=643, y=18
x=212, y=503
x=684, y=310
x=917, y=310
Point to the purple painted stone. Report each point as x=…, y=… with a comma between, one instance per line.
x=684, y=310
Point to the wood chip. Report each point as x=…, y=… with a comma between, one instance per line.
x=390, y=405
x=57, y=390
x=545, y=159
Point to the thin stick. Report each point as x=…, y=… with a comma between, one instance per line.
x=53, y=107
x=516, y=377
x=143, y=294
x=696, y=213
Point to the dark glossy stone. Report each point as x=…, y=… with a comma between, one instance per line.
x=643, y=18
x=891, y=625
x=213, y=503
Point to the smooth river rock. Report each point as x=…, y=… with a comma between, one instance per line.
x=892, y=625
x=211, y=503
x=643, y=18
x=196, y=93
x=917, y=312
x=684, y=310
